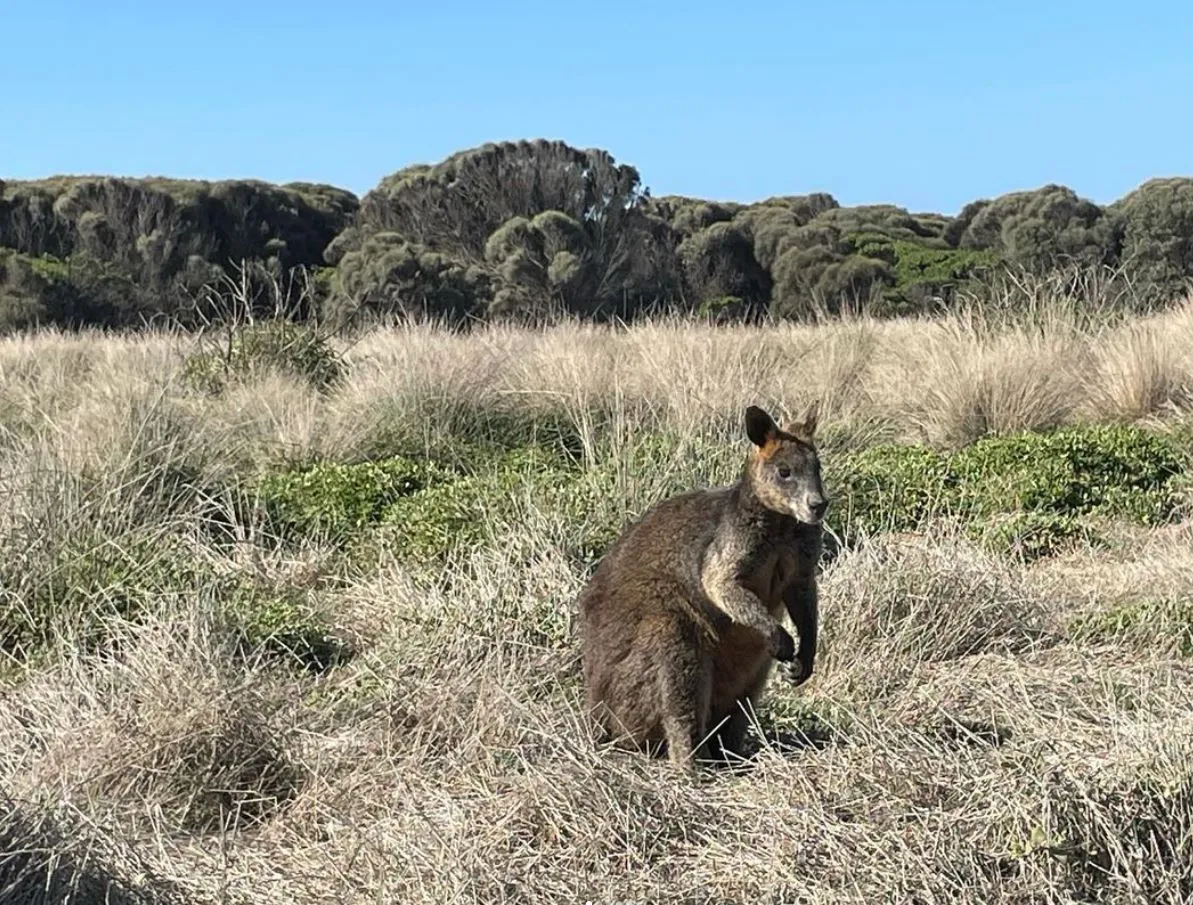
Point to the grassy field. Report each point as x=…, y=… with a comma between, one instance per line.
x=304, y=633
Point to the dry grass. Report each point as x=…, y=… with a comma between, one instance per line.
x=959, y=741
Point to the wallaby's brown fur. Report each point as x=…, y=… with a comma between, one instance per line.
x=679, y=623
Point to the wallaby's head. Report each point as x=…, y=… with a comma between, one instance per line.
x=783, y=467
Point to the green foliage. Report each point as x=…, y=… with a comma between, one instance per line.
x=1155, y=623
x=426, y=526
x=1156, y=222
x=886, y=488
x=389, y=275
x=504, y=213
x=429, y=524
x=1027, y=492
x=718, y=262
x=1042, y=230
x=1115, y=470
x=27, y=286
x=537, y=229
x=143, y=247
x=688, y=216
x=336, y=500
x=421, y=512
x=455, y=205
x=280, y=345
x=540, y=262
x=922, y=273
x=282, y=623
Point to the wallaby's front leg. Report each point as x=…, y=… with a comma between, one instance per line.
x=803, y=606
x=724, y=589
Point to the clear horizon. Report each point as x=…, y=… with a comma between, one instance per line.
x=925, y=106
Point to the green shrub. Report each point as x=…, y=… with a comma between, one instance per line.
x=277, y=345
x=1028, y=492
x=1030, y=535
x=886, y=488
x=281, y=622
x=335, y=500
x=426, y=525
x=77, y=584
x=1164, y=624
x=429, y=523
x=1107, y=469
x=423, y=509
x=923, y=269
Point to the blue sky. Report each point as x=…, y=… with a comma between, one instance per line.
x=923, y=104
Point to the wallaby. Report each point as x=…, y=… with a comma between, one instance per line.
x=680, y=620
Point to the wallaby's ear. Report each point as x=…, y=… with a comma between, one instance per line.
x=760, y=427
x=810, y=419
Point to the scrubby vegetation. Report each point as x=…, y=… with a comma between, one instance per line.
x=536, y=229
x=1026, y=490
x=266, y=636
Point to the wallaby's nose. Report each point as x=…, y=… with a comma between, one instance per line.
x=818, y=505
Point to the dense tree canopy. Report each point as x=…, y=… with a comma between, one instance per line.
x=112, y=251
x=530, y=228
x=551, y=226
x=1155, y=223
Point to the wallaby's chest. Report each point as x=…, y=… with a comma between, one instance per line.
x=772, y=573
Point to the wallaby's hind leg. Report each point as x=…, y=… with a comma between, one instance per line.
x=728, y=738
x=684, y=695
x=728, y=741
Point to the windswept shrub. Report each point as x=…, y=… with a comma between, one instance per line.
x=273, y=345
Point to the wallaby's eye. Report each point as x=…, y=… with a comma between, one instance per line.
x=784, y=472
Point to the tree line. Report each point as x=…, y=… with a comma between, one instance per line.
x=531, y=229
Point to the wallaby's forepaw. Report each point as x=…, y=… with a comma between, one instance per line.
x=782, y=645
x=795, y=672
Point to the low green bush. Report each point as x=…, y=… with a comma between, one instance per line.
x=1114, y=470
x=278, y=345
x=1030, y=492
x=1155, y=623
x=426, y=525
x=886, y=488
x=333, y=500
x=283, y=623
